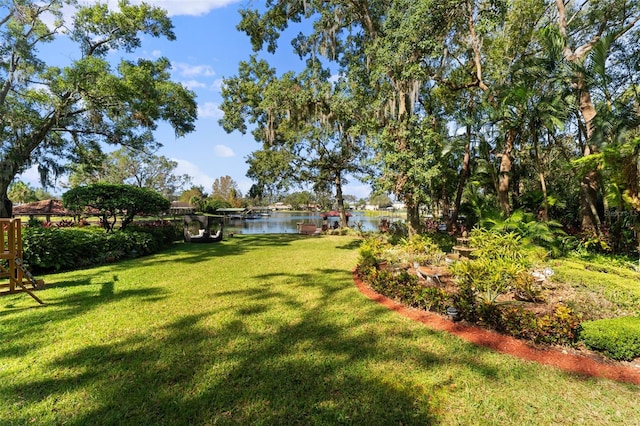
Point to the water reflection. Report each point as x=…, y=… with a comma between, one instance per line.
x=286, y=222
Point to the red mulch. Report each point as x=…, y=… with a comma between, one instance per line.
x=574, y=363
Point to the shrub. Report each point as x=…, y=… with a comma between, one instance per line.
x=371, y=251
x=617, y=338
x=115, y=200
x=487, y=278
x=398, y=230
x=500, y=264
x=495, y=245
x=423, y=247
x=57, y=249
x=546, y=234
x=164, y=231
x=431, y=299
x=443, y=240
x=561, y=327
x=406, y=288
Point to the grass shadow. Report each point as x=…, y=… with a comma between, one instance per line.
x=177, y=381
x=293, y=346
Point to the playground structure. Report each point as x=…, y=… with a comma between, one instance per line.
x=12, y=266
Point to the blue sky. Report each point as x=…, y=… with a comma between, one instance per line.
x=207, y=48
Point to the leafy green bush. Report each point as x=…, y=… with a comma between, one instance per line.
x=371, y=251
x=618, y=338
x=500, y=264
x=422, y=246
x=432, y=299
x=526, y=226
x=58, y=249
x=443, y=240
x=497, y=245
x=488, y=278
x=398, y=230
x=561, y=327
x=115, y=200
x=163, y=231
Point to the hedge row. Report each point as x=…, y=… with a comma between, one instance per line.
x=60, y=249
x=618, y=338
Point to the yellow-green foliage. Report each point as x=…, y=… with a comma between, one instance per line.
x=423, y=246
x=618, y=338
x=617, y=284
x=500, y=262
x=495, y=245
x=371, y=250
x=487, y=277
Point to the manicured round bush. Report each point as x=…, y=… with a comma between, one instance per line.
x=618, y=338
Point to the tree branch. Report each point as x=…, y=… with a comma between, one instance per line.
x=475, y=44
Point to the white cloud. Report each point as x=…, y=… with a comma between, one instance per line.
x=156, y=53
x=178, y=7
x=217, y=85
x=199, y=178
x=185, y=7
x=173, y=7
x=335, y=78
x=188, y=70
x=223, y=151
x=193, y=84
x=210, y=110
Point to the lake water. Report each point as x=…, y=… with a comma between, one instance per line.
x=286, y=222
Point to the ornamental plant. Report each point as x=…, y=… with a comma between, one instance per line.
x=618, y=338
x=501, y=263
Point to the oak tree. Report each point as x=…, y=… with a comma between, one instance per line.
x=54, y=115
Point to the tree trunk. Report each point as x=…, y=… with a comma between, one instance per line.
x=462, y=180
x=589, y=217
x=413, y=217
x=589, y=188
x=505, y=170
x=630, y=174
x=340, y=200
x=544, y=214
x=6, y=206
x=545, y=199
x=7, y=173
x=589, y=185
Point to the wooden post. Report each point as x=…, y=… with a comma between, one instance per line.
x=11, y=251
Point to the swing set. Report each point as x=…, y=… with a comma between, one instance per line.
x=12, y=267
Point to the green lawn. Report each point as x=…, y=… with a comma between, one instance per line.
x=262, y=330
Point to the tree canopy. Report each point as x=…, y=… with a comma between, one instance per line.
x=226, y=189
x=113, y=200
x=477, y=107
x=133, y=167
x=55, y=115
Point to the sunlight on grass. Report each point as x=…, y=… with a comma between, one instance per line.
x=262, y=330
x=615, y=284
